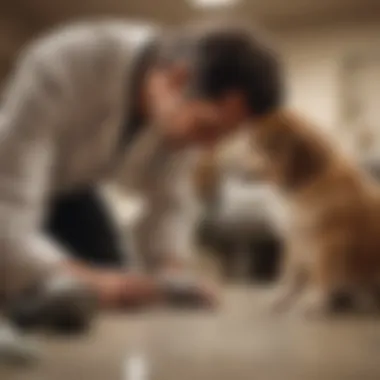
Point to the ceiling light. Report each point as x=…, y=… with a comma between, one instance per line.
x=213, y=3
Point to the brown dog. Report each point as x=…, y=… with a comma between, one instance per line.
x=333, y=242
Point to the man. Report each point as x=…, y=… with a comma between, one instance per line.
x=76, y=100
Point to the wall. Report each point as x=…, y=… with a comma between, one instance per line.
x=314, y=60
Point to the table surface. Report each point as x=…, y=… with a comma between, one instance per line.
x=241, y=341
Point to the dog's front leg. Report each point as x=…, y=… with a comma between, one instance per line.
x=293, y=278
x=327, y=277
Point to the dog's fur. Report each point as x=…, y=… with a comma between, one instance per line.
x=333, y=242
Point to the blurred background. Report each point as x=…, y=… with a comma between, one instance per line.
x=328, y=46
x=331, y=51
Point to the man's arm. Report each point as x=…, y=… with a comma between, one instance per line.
x=178, y=227
x=33, y=107
x=175, y=231
x=27, y=156
x=176, y=224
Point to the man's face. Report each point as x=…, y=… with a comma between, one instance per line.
x=187, y=120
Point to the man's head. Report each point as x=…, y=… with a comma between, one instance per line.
x=209, y=80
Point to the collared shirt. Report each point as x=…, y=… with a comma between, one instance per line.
x=62, y=118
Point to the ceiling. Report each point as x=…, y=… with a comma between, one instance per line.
x=275, y=13
x=20, y=20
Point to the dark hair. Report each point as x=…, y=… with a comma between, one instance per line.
x=224, y=58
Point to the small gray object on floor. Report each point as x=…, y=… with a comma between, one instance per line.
x=62, y=305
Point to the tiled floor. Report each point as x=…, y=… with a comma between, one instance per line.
x=239, y=342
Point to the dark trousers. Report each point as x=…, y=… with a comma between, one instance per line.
x=82, y=223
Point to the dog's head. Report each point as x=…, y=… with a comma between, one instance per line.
x=294, y=154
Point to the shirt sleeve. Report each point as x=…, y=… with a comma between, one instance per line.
x=27, y=156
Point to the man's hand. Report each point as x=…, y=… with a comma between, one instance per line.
x=115, y=288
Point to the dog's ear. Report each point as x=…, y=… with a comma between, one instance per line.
x=296, y=154
x=305, y=159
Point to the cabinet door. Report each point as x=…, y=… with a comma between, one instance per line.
x=363, y=103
